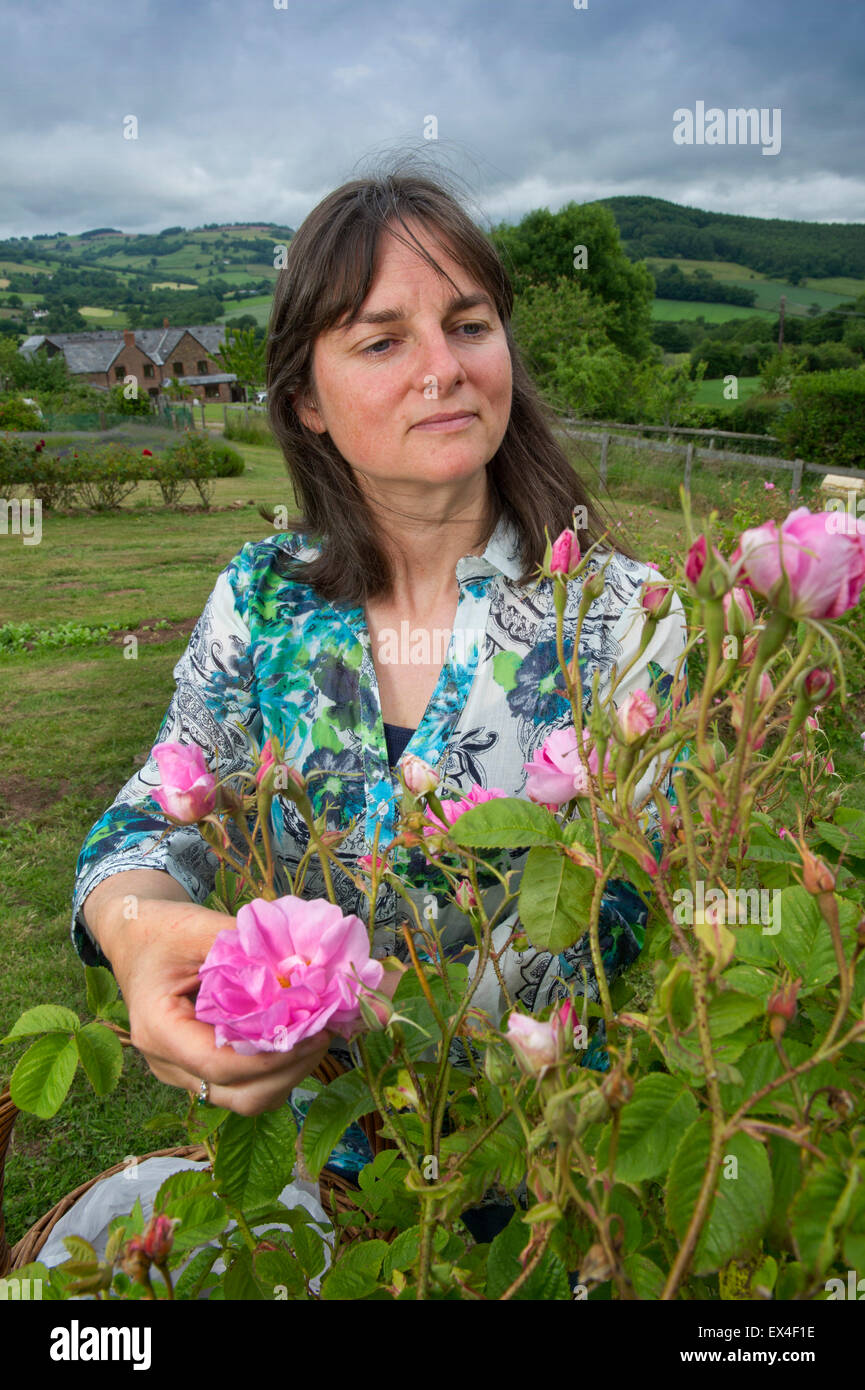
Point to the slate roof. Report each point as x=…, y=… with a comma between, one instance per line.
x=213, y=380
x=95, y=350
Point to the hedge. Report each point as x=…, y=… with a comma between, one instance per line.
x=101, y=477
x=826, y=422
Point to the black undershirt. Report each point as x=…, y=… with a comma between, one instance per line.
x=396, y=738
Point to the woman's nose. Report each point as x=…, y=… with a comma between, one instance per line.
x=441, y=367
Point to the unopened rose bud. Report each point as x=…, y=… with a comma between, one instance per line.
x=158, y=1238
x=819, y=684
x=565, y=554
x=135, y=1261
x=637, y=714
x=817, y=877
x=739, y=612
x=749, y=649
x=419, y=777
x=696, y=560
x=657, y=600
x=465, y=896
x=617, y=1088
x=781, y=1008
x=497, y=1068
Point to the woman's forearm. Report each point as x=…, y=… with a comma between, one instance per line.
x=115, y=900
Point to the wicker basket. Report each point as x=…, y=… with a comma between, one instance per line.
x=335, y=1190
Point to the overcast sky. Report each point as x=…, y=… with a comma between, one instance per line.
x=249, y=112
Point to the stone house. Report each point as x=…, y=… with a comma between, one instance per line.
x=154, y=356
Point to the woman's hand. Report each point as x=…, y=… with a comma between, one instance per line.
x=156, y=958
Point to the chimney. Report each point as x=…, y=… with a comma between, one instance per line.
x=165, y=323
x=128, y=338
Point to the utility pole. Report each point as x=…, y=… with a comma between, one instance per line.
x=781, y=323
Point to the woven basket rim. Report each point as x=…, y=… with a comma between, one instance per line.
x=334, y=1188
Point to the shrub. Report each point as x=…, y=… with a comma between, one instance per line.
x=826, y=421
x=248, y=434
x=15, y=414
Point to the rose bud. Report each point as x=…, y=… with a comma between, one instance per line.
x=738, y=612
x=565, y=554
x=188, y=789
x=766, y=688
x=696, y=560
x=419, y=777
x=749, y=649
x=135, y=1261
x=465, y=896
x=781, y=1008
x=534, y=1043
x=819, y=684
x=158, y=1238
x=656, y=600
x=817, y=877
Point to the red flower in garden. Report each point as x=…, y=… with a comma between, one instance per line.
x=147, y=452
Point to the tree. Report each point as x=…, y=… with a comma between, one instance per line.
x=245, y=356
x=542, y=249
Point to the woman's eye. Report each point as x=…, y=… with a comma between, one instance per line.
x=479, y=327
x=382, y=342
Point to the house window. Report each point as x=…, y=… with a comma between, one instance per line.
x=119, y=373
x=148, y=370
x=211, y=390
x=178, y=368
x=203, y=369
x=153, y=392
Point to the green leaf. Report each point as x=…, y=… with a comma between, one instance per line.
x=740, y=1207
x=102, y=988
x=42, y=1078
x=255, y=1156
x=804, y=942
x=821, y=1206
x=854, y=1235
x=357, y=1273
x=652, y=1123
x=548, y=1281
x=555, y=899
x=101, y=1056
x=342, y=1102
x=80, y=1249
x=116, y=1012
x=278, y=1270
x=191, y=1282
x=240, y=1283
x=405, y=1248
x=506, y=823
x=646, y=1277
x=750, y=979
x=189, y=1196
x=729, y=1012
x=45, y=1018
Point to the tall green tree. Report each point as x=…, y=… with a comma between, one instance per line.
x=544, y=247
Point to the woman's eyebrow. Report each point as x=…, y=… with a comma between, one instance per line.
x=398, y=315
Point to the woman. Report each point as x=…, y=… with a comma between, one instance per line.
x=401, y=614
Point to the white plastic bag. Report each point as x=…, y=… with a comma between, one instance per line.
x=115, y=1196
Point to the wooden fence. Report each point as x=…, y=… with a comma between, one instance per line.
x=602, y=431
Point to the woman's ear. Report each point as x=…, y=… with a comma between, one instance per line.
x=306, y=409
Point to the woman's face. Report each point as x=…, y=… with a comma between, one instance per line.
x=419, y=349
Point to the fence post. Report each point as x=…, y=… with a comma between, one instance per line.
x=797, y=478
x=712, y=442
x=102, y=424
x=689, y=459
x=225, y=417
x=602, y=467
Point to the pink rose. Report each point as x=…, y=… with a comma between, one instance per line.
x=555, y=774
x=290, y=969
x=535, y=1043
x=419, y=776
x=822, y=554
x=565, y=556
x=637, y=714
x=188, y=787
x=454, y=808
x=819, y=684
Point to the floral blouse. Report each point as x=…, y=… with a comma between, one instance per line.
x=270, y=656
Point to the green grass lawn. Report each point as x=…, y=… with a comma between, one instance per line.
x=78, y=721
x=712, y=392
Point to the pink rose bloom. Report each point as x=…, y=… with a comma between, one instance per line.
x=188, y=786
x=555, y=774
x=535, y=1043
x=823, y=556
x=637, y=714
x=419, y=776
x=565, y=555
x=769, y=487
x=364, y=861
x=290, y=969
x=454, y=808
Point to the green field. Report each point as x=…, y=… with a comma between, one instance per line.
x=257, y=305
x=674, y=310
x=712, y=392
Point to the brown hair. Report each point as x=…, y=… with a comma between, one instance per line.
x=329, y=271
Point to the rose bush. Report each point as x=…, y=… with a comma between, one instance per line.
x=693, y=1130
